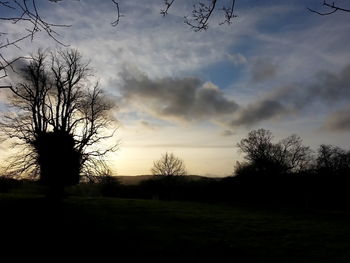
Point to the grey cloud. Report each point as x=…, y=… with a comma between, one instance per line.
x=333, y=87
x=15, y=71
x=338, y=121
x=263, y=69
x=328, y=88
x=20, y=64
x=189, y=99
x=184, y=99
x=14, y=76
x=259, y=111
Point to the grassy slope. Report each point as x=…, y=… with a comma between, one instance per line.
x=176, y=231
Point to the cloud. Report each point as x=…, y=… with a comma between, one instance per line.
x=259, y=111
x=332, y=87
x=328, y=89
x=190, y=99
x=338, y=121
x=14, y=76
x=263, y=69
x=184, y=99
x=14, y=71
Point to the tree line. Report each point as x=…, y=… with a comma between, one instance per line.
x=289, y=156
x=263, y=157
x=284, y=173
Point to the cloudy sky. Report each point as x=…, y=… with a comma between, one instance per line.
x=196, y=94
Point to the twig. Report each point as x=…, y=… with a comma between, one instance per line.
x=332, y=6
x=168, y=4
x=116, y=22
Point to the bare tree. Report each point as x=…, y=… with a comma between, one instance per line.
x=168, y=165
x=332, y=160
x=59, y=119
x=292, y=154
x=286, y=156
x=257, y=145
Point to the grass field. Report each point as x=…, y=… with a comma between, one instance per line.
x=159, y=231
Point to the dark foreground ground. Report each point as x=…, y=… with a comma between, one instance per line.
x=117, y=230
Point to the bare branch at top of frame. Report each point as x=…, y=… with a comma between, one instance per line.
x=167, y=4
x=228, y=13
x=200, y=16
x=333, y=8
x=116, y=22
x=201, y=13
x=26, y=13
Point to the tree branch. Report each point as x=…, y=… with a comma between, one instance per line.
x=334, y=8
x=167, y=4
x=116, y=22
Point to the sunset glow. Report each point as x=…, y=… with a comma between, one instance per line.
x=197, y=94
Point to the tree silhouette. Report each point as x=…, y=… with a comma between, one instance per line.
x=332, y=160
x=168, y=165
x=264, y=156
x=292, y=154
x=257, y=145
x=58, y=118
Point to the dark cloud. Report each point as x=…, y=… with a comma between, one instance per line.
x=190, y=99
x=184, y=99
x=15, y=71
x=339, y=121
x=259, y=111
x=327, y=89
x=19, y=64
x=263, y=69
x=333, y=87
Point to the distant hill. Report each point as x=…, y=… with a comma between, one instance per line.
x=133, y=180
x=136, y=179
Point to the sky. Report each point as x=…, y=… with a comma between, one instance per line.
x=197, y=94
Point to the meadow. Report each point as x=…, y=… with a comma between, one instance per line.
x=172, y=231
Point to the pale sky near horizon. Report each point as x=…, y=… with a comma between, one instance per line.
x=196, y=94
